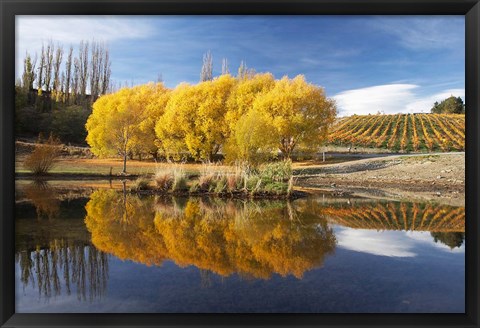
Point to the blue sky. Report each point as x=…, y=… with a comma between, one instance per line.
x=367, y=63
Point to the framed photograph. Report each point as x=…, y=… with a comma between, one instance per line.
x=259, y=163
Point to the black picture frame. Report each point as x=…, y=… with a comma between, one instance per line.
x=10, y=8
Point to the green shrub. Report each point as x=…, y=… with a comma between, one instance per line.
x=195, y=187
x=69, y=123
x=180, y=184
x=276, y=172
x=221, y=185
x=179, y=180
x=253, y=183
x=278, y=188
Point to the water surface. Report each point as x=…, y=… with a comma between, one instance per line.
x=122, y=253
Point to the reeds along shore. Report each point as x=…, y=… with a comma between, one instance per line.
x=269, y=180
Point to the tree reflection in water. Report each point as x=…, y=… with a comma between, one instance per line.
x=56, y=254
x=451, y=239
x=43, y=198
x=253, y=239
x=84, y=268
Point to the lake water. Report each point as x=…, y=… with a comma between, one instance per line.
x=121, y=253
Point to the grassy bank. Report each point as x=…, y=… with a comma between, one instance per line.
x=272, y=179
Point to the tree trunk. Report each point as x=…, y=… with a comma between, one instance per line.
x=124, y=163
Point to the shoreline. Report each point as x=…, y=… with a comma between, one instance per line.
x=434, y=177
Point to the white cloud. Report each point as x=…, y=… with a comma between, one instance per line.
x=424, y=104
x=390, y=99
x=32, y=31
x=72, y=29
x=425, y=33
x=385, y=243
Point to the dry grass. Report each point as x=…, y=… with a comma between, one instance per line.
x=163, y=179
x=44, y=156
x=102, y=166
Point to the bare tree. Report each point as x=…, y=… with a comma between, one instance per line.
x=83, y=68
x=68, y=75
x=49, y=64
x=207, y=67
x=225, y=66
x=244, y=72
x=62, y=87
x=105, y=79
x=76, y=80
x=56, y=67
x=41, y=68
x=96, y=69
x=28, y=72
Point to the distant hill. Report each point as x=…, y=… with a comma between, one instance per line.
x=401, y=132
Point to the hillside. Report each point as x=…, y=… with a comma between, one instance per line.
x=401, y=132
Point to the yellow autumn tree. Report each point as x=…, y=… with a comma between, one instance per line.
x=179, y=117
x=250, y=133
x=253, y=139
x=194, y=119
x=244, y=94
x=122, y=123
x=300, y=112
x=156, y=97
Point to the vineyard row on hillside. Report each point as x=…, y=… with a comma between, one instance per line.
x=401, y=132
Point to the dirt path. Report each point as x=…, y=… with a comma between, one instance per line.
x=434, y=177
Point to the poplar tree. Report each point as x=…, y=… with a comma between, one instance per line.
x=105, y=79
x=76, y=80
x=28, y=72
x=207, y=67
x=49, y=64
x=225, y=66
x=83, y=69
x=68, y=75
x=41, y=69
x=56, y=68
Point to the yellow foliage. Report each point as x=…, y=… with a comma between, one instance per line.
x=300, y=113
x=122, y=123
x=124, y=223
x=224, y=237
x=199, y=120
x=194, y=118
x=253, y=139
x=244, y=94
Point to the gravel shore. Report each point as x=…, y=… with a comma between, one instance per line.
x=426, y=177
